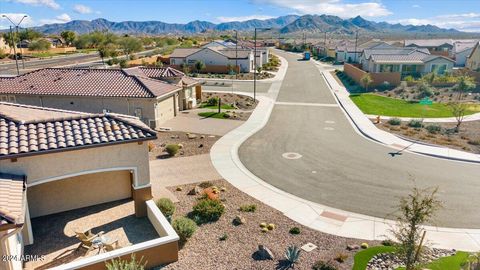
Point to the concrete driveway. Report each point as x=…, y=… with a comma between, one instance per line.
x=193, y=123
x=341, y=169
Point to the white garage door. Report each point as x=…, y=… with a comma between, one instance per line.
x=77, y=192
x=165, y=111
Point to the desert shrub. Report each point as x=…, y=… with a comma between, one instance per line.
x=248, y=208
x=394, y=121
x=213, y=101
x=292, y=254
x=208, y=210
x=424, y=90
x=433, y=128
x=415, y=123
x=123, y=63
x=324, y=265
x=294, y=230
x=341, y=257
x=184, y=227
x=166, y=206
x=364, y=245
x=223, y=237
x=205, y=184
x=120, y=264
x=151, y=146
x=388, y=243
x=474, y=142
x=172, y=149
x=409, y=78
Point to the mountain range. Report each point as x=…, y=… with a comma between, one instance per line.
x=283, y=24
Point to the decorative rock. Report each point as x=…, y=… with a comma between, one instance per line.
x=195, y=191
x=192, y=136
x=179, y=189
x=263, y=253
x=353, y=247
x=223, y=189
x=202, y=137
x=239, y=220
x=180, y=145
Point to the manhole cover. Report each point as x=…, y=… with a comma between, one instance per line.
x=291, y=155
x=328, y=128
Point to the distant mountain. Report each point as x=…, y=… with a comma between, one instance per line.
x=284, y=24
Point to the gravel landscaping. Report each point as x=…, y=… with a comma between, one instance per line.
x=206, y=250
x=467, y=139
x=244, y=105
x=197, y=144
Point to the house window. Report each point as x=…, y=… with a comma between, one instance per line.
x=138, y=113
x=439, y=68
x=389, y=68
x=409, y=68
x=5, y=98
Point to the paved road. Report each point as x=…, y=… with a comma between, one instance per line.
x=341, y=169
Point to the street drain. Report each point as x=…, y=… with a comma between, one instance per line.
x=291, y=155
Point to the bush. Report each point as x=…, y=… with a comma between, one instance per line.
x=364, y=245
x=132, y=264
x=172, y=149
x=205, y=184
x=166, y=206
x=324, y=265
x=415, y=123
x=388, y=243
x=341, y=257
x=409, y=78
x=433, y=128
x=213, y=101
x=294, y=230
x=248, y=208
x=394, y=121
x=184, y=227
x=474, y=142
x=208, y=210
x=123, y=63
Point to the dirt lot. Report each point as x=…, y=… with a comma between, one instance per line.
x=197, y=146
x=206, y=251
x=468, y=139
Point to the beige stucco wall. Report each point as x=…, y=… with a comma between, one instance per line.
x=473, y=61
x=66, y=164
x=77, y=192
x=438, y=61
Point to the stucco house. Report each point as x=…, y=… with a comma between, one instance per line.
x=442, y=47
x=473, y=60
x=347, y=51
x=54, y=162
x=154, y=95
x=214, y=58
x=4, y=45
x=407, y=61
x=461, y=50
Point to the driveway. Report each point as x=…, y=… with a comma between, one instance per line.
x=340, y=168
x=193, y=123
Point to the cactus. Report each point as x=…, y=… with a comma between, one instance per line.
x=271, y=226
x=263, y=225
x=264, y=229
x=292, y=255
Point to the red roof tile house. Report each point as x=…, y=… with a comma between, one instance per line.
x=63, y=173
x=154, y=95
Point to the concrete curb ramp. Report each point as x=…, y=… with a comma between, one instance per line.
x=224, y=156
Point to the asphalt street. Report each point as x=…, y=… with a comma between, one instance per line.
x=341, y=169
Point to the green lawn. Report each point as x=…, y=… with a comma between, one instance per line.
x=362, y=258
x=221, y=115
x=379, y=105
x=223, y=106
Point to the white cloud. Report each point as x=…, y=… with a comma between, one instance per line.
x=244, y=18
x=62, y=18
x=333, y=7
x=416, y=6
x=15, y=17
x=47, y=3
x=82, y=9
x=468, y=22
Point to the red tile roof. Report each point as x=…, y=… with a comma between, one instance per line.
x=28, y=130
x=85, y=82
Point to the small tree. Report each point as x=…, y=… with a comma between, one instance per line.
x=107, y=50
x=366, y=81
x=39, y=45
x=459, y=108
x=185, y=68
x=199, y=66
x=415, y=209
x=68, y=36
x=130, y=45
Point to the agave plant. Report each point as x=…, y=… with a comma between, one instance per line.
x=292, y=255
x=473, y=262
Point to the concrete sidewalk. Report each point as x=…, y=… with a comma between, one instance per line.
x=369, y=130
x=224, y=156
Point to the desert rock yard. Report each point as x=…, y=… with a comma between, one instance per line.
x=191, y=144
x=222, y=244
x=233, y=106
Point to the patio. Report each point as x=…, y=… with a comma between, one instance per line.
x=54, y=235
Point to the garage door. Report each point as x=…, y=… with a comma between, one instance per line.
x=79, y=191
x=165, y=111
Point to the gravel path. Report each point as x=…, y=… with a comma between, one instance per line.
x=205, y=251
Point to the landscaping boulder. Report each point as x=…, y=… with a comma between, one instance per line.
x=239, y=220
x=353, y=247
x=195, y=191
x=263, y=253
x=192, y=136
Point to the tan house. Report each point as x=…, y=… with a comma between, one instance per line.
x=60, y=171
x=473, y=60
x=154, y=95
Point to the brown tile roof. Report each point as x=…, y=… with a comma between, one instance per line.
x=29, y=130
x=183, y=52
x=169, y=74
x=12, y=188
x=84, y=82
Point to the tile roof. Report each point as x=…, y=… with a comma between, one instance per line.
x=461, y=46
x=183, y=52
x=405, y=55
x=240, y=54
x=169, y=74
x=428, y=42
x=12, y=188
x=84, y=82
x=29, y=130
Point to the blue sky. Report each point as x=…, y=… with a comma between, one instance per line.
x=460, y=14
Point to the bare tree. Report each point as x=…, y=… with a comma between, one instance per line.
x=458, y=107
x=415, y=209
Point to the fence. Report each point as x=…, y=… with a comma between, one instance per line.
x=393, y=78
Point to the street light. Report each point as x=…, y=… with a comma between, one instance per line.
x=236, y=55
x=13, y=40
x=255, y=63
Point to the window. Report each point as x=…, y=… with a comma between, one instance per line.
x=5, y=98
x=439, y=68
x=138, y=112
x=409, y=68
x=389, y=68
